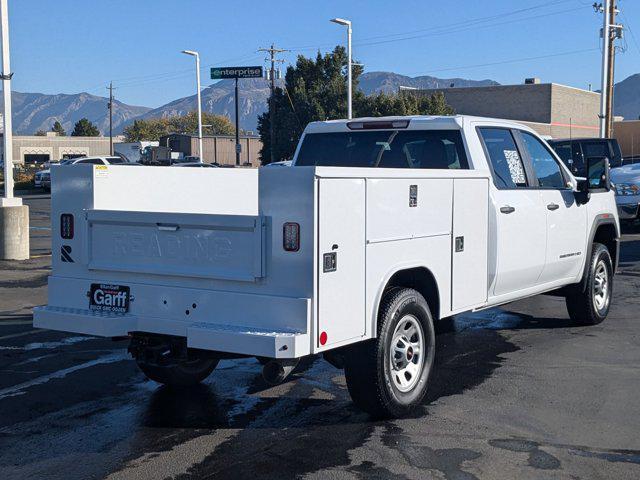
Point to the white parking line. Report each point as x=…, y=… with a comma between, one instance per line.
x=20, y=388
x=22, y=334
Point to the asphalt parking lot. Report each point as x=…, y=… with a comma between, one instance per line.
x=519, y=392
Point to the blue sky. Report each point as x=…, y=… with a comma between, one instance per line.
x=69, y=46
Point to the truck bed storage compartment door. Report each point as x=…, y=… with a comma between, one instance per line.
x=341, y=261
x=469, y=242
x=223, y=247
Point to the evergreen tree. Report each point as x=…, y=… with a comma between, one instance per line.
x=57, y=127
x=317, y=90
x=84, y=128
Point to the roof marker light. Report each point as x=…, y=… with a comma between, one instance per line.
x=378, y=125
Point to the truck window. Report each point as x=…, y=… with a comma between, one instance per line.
x=429, y=149
x=545, y=166
x=508, y=169
x=564, y=152
x=92, y=161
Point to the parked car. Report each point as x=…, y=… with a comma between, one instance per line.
x=381, y=228
x=190, y=159
x=626, y=182
x=631, y=160
x=37, y=179
x=283, y=163
x=574, y=152
x=195, y=164
x=45, y=175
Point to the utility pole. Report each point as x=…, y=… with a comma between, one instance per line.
x=611, y=67
x=273, y=51
x=605, y=67
x=610, y=31
x=110, y=88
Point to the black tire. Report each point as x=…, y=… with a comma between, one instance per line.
x=371, y=381
x=179, y=374
x=591, y=306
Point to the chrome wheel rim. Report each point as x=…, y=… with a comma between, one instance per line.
x=601, y=287
x=407, y=353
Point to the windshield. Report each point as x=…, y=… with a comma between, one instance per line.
x=384, y=149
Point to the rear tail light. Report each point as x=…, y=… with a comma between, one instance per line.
x=291, y=237
x=66, y=226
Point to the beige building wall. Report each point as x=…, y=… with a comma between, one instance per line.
x=627, y=132
x=574, y=111
x=551, y=109
x=57, y=147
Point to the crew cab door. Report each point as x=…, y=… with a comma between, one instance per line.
x=518, y=247
x=566, y=220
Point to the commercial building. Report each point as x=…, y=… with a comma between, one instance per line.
x=550, y=109
x=627, y=132
x=219, y=149
x=36, y=149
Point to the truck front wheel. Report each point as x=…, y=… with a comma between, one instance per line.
x=591, y=306
x=183, y=373
x=388, y=376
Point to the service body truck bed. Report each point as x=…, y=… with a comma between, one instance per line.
x=202, y=264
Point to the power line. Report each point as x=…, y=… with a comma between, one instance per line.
x=503, y=62
x=467, y=25
x=439, y=32
x=633, y=35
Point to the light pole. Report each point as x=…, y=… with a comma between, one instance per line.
x=195, y=54
x=8, y=199
x=14, y=217
x=347, y=23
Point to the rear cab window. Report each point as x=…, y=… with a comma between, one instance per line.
x=424, y=149
x=504, y=157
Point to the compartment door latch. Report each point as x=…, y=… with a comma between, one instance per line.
x=330, y=262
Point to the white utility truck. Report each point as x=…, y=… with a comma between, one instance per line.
x=379, y=229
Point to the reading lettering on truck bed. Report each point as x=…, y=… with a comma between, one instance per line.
x=379, y=229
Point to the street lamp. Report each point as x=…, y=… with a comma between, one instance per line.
x=195, y=54
x=347, y=23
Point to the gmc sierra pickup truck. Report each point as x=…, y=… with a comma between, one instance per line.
x=379, y=229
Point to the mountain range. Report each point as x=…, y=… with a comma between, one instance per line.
x=626, y=97
x=37, y=111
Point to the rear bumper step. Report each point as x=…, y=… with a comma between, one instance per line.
x=202, y=335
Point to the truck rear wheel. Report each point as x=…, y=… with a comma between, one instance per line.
x=388, y=376
x=182, y=373
x=591, y=306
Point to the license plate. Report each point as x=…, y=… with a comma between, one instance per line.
x=106, y=297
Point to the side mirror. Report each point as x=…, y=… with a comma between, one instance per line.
x=582, y=193
x=598, y=173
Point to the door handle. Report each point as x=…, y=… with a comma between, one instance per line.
x=553, y=206
x=507, y=209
